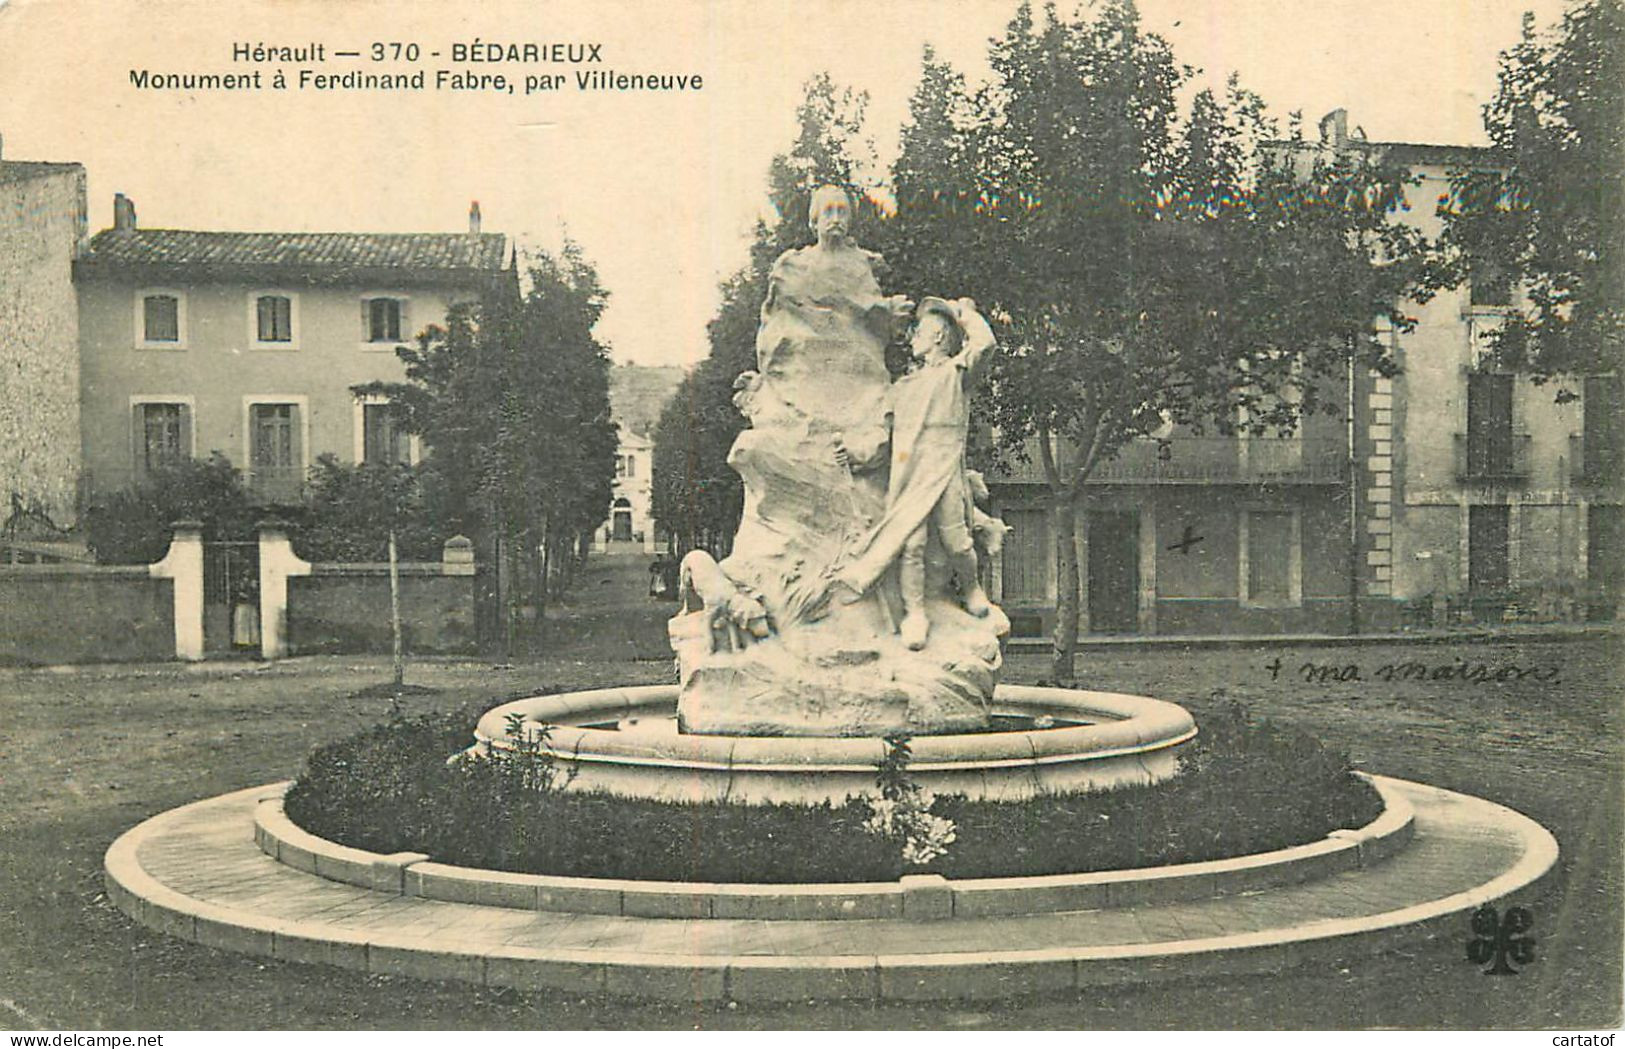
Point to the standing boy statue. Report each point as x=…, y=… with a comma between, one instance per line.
x=927, y=491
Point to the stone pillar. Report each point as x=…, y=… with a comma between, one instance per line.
x=457, y=556
x=184, y=565
x=277, y=563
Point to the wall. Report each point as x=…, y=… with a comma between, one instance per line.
x=42, y=222
x=345, y=608
x=84, y=614
x=218, y=368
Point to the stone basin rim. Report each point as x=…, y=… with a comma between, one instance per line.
x=1132, y=725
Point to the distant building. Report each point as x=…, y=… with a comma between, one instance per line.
x=42, y=229
x=250, y=343
x=1473, y=495
x=636, y=396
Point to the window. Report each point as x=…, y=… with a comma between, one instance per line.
x=275, y=318
x=161, y=319
x=1489, y=425
x=1028, y=557
x=384, y=435
x=1487, y=548
x=1603, y=438
x=631, y=466
x=162, y=435
x=1488, y=285
x=275, y=452
x=1270, y=558
x=382, y=319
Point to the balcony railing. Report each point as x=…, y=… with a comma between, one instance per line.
x=1594, y=465
x=1227, y=460
x=1497, y=458
x=276, y=484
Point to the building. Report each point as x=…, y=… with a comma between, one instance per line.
x=1483, y=495
x=43, y=228
x=1220, y=535
x=637, y=394
x=249, y=344
x=1467, y=493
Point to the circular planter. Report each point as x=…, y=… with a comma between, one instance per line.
x=624, y=741
x=414, y=874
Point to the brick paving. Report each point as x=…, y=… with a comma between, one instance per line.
x=207, y=854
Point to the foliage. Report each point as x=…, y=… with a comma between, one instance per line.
x=1144, y=268
x=696, y=496
x=511, y=396
x=351, y=508
x=1549, y=212
x=133, y=525
x=902, y=813
x=1245, y=787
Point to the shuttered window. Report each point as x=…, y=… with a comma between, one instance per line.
x=274, y=317
x=1029, y=557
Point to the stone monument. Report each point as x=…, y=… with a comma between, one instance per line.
x=851, y=603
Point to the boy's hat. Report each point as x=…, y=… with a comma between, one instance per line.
x=932, y=304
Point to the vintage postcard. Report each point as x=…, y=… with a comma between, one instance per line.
x=943, y=514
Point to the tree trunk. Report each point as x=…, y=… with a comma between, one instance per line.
x=395, y=612
x=1066, y=586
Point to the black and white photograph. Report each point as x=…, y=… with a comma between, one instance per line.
x=1095, y=516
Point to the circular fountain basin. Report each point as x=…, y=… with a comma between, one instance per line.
x=625, y=741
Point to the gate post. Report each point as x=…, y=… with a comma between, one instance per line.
x=277, y=563
x=184, y=565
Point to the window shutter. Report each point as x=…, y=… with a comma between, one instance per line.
x=138, y=441
x=366, y=320
x=186, y=431
x=296, y=456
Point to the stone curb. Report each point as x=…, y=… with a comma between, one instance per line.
x=412, y=874
x=947, y=974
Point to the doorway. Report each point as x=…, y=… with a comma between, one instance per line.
x=1114, y=571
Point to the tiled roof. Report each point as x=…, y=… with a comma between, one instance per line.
x=638, y=393
x=314, y=256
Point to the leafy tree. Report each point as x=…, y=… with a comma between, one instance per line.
x=1549, y=213
x=567, y=468
x=133, y=526
x=695, y=494
x=1145, y=267
x=352, y=508
x=511, y=395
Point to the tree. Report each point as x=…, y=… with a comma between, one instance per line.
x=696, y=495
x=511, y=395
x=1141, y=272
x=1549, y=211
x=351, y=509
x=133, y=526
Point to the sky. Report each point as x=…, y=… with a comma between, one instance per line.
x=659, y=188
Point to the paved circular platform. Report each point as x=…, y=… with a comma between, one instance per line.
x=199, y=873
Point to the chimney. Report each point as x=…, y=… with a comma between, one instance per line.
x=123, y=212
x=1334, y=128
x=474, y=217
